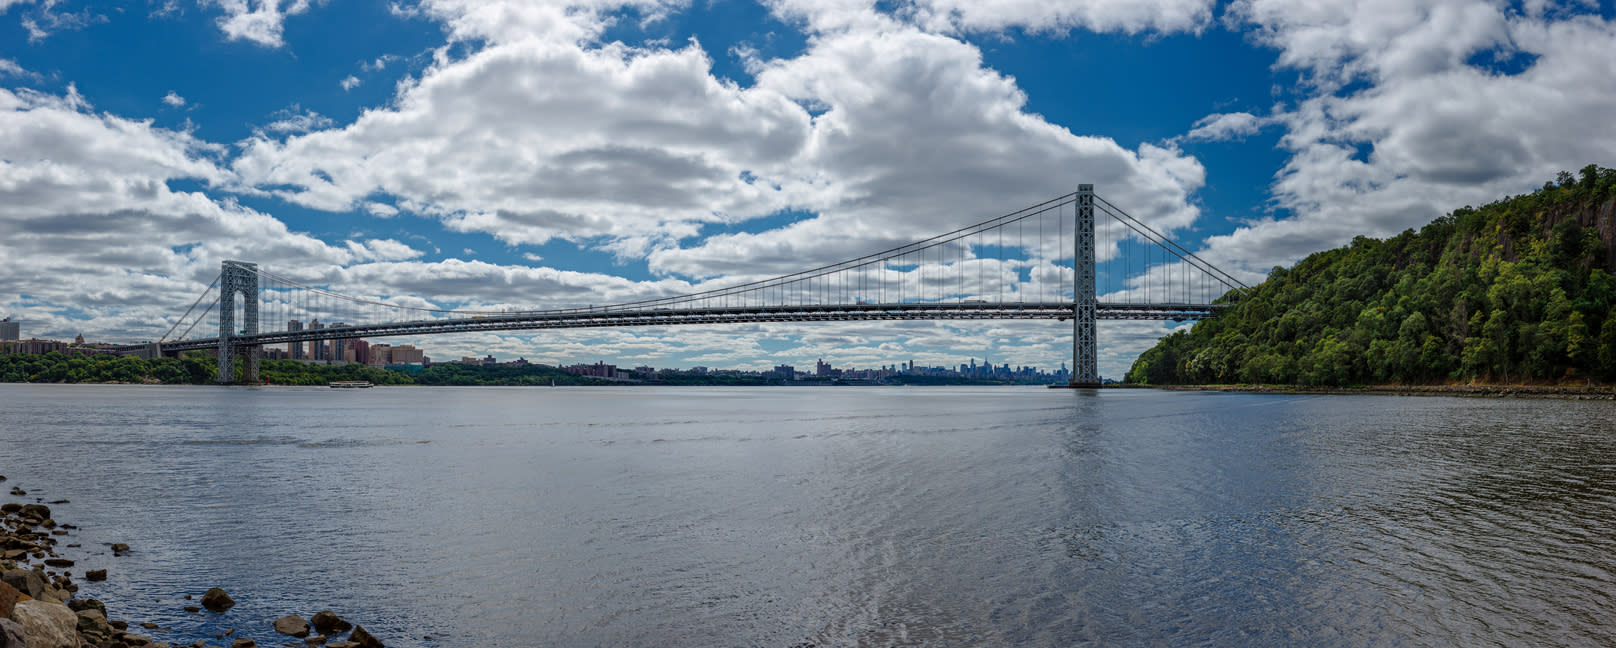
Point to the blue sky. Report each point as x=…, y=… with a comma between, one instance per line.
x=524, y=153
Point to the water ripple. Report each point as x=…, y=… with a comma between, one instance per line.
x=848, y=517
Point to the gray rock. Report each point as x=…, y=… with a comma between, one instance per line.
x=292, y=624
x=79, y=605
x=217, y=600
x=359, y=636
x=31, y=583
x=11, y=634
x=47, y=625
x=93, y=625
x=327, y=622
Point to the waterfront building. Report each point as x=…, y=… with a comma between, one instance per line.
x=597, y=370
x=406, y=354
x=10, y=330
x=381, y=354
x=32, y=346
x=359, y=351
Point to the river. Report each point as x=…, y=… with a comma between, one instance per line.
x=834, y=516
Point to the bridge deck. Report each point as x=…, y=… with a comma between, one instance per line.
x=607, y=317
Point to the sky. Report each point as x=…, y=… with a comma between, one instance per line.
x=535, y=154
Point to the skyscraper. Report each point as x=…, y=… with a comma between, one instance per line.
x=316, y=347
x=10, y=330
x=339, y=348
x=360, y=350
x=294, y=350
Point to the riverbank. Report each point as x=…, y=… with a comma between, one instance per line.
x=1562, y=392
x=40, y=608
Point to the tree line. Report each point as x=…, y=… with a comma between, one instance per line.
x=1517, y=291
x=201, y=369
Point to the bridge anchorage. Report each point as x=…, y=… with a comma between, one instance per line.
x=1075, y=257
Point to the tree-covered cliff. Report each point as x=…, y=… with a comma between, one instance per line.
x=1516, y=291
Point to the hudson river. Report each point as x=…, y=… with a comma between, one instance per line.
x=834, y=516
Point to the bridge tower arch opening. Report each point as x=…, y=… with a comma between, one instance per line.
x=237, y=278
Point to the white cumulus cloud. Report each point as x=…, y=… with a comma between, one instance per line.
x=1419, y=107
x=259, y=21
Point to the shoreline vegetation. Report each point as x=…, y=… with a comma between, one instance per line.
x=40, y=607
x=198, y=369
x=1517, y=292
x=1556, y=392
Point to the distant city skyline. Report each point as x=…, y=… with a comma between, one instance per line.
x=360, y=351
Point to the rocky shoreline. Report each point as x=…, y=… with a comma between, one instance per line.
x=1560, y=392
x=39, y=607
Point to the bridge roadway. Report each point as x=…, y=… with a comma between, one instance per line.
x=610, y=317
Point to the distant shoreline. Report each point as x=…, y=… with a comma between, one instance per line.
x=1561, y=392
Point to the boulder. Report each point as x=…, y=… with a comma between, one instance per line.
x=292, y=624
x=192, y=609
x=119, y=547
x=93, y=625
x=11, y=635
x=58, y=562
x=327, y=622
x=47, y=625
x=31, y=583
x=8, y=599
x=314, y=640
x=243, y=643
x=39, y=511
x=363, y=639
x=85, y=604
x=10, y=507
x=95, y=575
x=216, y=600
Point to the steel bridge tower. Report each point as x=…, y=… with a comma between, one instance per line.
x=237, y=277
x=1085, y=309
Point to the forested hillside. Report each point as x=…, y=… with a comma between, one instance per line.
x=1518, y=291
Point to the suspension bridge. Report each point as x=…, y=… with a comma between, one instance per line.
x=1076, y=257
